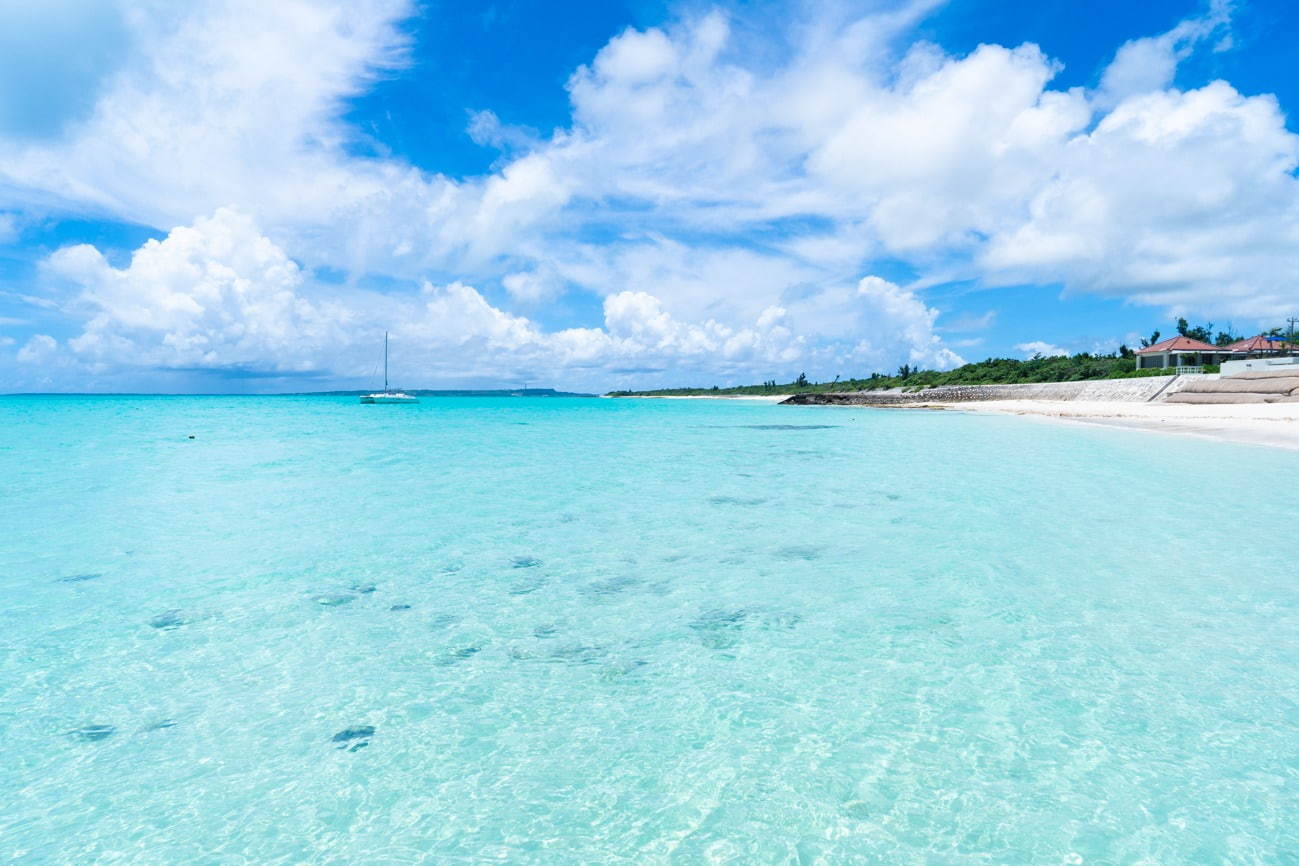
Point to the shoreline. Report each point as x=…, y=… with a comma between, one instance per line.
x=1273, y=425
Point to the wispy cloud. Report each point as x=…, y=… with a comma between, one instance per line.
x=968, y=322
x=1040, y=349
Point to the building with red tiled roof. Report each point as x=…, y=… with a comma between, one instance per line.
x=1261, y=343
x=1182, y=352
x=1178, y=344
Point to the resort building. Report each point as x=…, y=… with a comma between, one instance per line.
x=1182, y=355
x=1260, y=345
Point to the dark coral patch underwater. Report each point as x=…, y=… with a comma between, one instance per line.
x=167, y=620
x=358, y=736
x=80, y=578
x=93, y=733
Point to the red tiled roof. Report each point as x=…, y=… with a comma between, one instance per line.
x=1179, y=344
x=1255, y=344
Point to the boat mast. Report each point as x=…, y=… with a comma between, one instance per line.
x=385, y=362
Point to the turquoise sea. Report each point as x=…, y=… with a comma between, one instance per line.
x=604, y=631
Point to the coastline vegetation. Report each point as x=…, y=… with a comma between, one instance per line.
x=1083, y=366
x=993, y=371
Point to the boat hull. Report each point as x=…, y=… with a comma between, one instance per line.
x=388, y=398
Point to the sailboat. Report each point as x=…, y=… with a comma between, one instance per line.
x=387, y=395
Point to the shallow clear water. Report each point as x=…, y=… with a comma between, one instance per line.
x=598, y=631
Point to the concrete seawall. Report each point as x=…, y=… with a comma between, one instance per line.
x=1139, y=390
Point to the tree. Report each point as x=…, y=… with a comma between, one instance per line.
x=1226, y=338
x=1125, y=352
x=905, y=371
x=1154, y=338
x=1203, y=333
x=801, y=381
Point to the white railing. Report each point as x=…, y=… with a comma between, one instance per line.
x=1183, y=370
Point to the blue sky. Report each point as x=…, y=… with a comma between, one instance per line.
x=231, y=196
x=514, y=58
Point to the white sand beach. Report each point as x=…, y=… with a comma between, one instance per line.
x=1271, y=424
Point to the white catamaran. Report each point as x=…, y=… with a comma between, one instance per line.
x=387, y=395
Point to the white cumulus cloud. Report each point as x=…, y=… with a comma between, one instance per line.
x=220, y=296
x=894, y=321
x=215, y=294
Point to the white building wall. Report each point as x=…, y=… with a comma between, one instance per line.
x=1233, y=368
